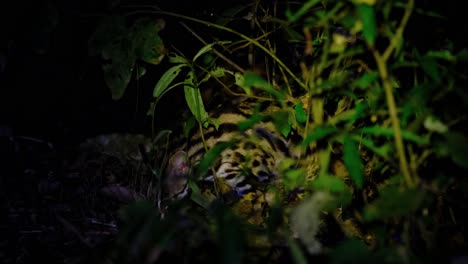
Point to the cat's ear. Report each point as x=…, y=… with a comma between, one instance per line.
x=176, y=176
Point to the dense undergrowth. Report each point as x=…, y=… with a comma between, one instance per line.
x=385, y=111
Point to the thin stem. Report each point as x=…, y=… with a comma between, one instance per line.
x=381, y=61
x=253, y=41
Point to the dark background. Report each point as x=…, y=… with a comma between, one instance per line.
x=50, y=88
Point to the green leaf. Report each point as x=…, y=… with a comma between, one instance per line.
x=366, y=80
x=281, y=121
x=211, y=156
x=294, y=178
x=358, y=111
x=329, y=183
x=388, y=131
x=319, y=133
x=251, y=121
x=197, y=196
x=394, y=201
x=194, y=99
x=146, y=41
x=207, y=48
x=166, y=79
x=301, y=115
x=352, y=161
x=302, y=11
x=176, y=59
x=118, y=73
x=253, y=80
x=367, y=15
x=441, y=54
x=382, y=151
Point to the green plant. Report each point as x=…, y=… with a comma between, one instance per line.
x=358, y=90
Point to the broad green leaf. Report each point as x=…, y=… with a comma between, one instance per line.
x=388, y=131
x=194, y=99
x=281, y=121
x=211, y=156
x=118, y=73
x=319, y=133
x=394, y=201
x=352, y=161
x=366, y=80
x=382, y=151
x=329, y=183
x=294, y=178
x=146, y=41
x=203, y=50
x=301, y=115
x=367, y=15
x=207, y=48
x=218, y=72
x=166, y=79
x=176, y=59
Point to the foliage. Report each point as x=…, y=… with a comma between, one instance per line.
x=350, y=84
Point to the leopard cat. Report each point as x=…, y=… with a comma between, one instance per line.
x=241, y=174
x=251, y=162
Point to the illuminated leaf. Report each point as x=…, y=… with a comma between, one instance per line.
x=367, y=15
x=388, y=131
x=301, y=115
x=329, y=183
x=194, y=99
x=166, y=79
x=146, y=41
x=352, y=161
x=318, y=133
x=253, y=80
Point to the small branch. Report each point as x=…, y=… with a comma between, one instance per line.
x=381, y=61
x=213, y=25
x=219, y=54
x=399, y=32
